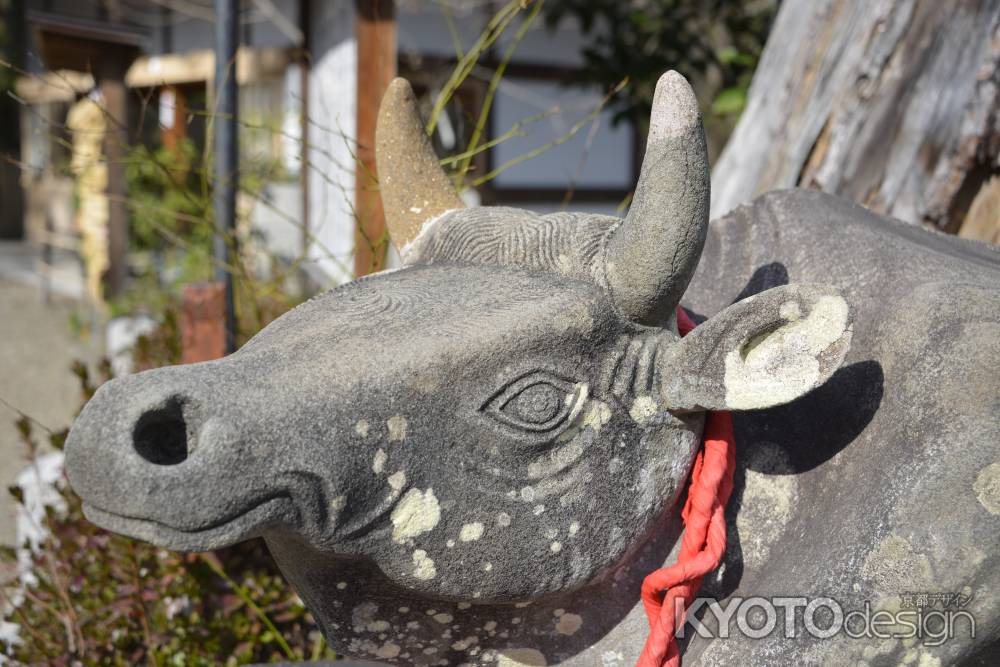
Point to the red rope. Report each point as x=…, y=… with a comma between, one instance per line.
x=704, y=537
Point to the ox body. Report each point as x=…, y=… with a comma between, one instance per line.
x=477, y=458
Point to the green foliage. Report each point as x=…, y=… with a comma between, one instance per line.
x=714, y=43
x=103, y=599
x=166, y=197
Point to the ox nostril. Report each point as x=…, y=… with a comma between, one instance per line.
x=161, y=434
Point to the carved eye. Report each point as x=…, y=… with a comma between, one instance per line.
x=536, y=402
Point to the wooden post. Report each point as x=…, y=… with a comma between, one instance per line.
x=111, y=80
x=376, y=36
x=173, y=134
x=203, y=322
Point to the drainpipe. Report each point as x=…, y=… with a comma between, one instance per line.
x=226, y=153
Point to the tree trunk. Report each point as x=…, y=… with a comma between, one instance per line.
x=894, y=104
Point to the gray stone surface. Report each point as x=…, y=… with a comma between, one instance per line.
x=476, y=459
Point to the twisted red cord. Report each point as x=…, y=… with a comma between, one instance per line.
x=704, y=537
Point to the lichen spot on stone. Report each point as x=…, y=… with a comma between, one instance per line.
x=568, y=624
x=417, y=512
x=443, y=618
x=895, y=566
x=503, y=519
x=423, y=566
x=790, y=311
x=598, y=414
x=378, y=463
x=463, y=644
x=387, y=651
x=987, y=488
x=397, y=480
x=471, y=532
x=780, y=365
x=643, y=409
x=521, y=657
x=338, y=503
x=555, y=547
x=574, y=527
x=341, y=585
x=361, y=428
x=397, y=428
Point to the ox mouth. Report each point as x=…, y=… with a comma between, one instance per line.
x=216, y=535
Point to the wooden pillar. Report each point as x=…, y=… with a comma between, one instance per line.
x=375, y=31
x=111, y=81
x=203, y=322
x=174, y=132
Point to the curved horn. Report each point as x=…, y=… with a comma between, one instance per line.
x=652, y=255
x=413, y=186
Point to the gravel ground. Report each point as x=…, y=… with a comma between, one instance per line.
x=37, y=350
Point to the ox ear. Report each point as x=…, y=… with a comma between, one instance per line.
x=763, y=351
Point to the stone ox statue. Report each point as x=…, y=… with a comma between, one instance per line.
x=477, y=458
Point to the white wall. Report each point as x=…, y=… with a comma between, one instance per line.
x=597, y=155
x=332, y=108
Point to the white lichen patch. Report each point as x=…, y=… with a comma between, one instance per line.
x=643, y=409
x=423, y=566
x=769, y=499
x=568, y=624
x=361, y=427
x=555, y=547
x=463, y=644
x=521, y=657
x=987, y=488
x=596, y=415
x=338, y=503
x=894, y=566
x=417, y=513
x=574, y=527
x=397, y=428
x=503, y=519
x=443, y=618
x=471, y=532
x=790, y=311
x=388, y=651
x=783, y=364
x=378, y=463
x=397, y=480
x=487, y=567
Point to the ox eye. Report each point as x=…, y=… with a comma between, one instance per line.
x=537, y=402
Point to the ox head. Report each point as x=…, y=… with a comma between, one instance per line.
x=506, y=416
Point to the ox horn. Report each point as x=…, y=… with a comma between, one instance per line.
x=413, y=186
x=652, y=255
